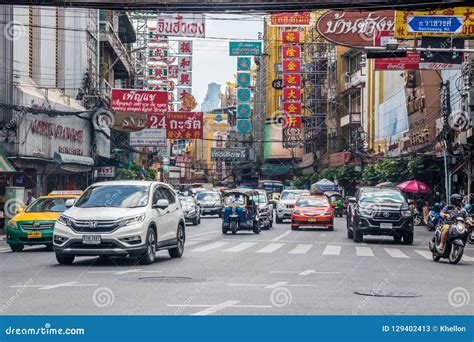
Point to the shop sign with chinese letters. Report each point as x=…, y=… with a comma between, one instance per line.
x=184, y=125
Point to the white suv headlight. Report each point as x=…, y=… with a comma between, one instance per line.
x=64, y=220
x=131, y=220
x=12, y=224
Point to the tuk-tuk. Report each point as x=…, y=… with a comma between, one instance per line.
x=337, y=201
x=240, y=211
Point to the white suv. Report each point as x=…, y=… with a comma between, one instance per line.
x=121, y=218
x=287, y=202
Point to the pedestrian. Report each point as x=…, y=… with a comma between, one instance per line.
x=30, y=198
x=426, y=211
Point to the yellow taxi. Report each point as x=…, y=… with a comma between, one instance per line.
x=34, y=225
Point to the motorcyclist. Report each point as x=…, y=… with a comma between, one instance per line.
x=448, y=213
x=434, y=214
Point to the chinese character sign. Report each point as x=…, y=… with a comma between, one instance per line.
x=291, y=94
x=291, y=80
x=184, y=125
x=290, y=65
x=243, y=111
x=243, y=95
x=292, y=108
x=291, y=52
x=185, y=47
x=291, y=121
x=185, y=63
x=290, y=37
x=185, y=79
x=244, y=126
x=243, y=64
x=243, y=79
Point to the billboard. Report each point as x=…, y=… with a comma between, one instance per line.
x=245, y=48
x=392, y=117
x=139, y=101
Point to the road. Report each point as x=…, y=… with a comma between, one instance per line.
x=278, y=272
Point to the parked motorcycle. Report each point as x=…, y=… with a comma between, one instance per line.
x=417, y=219
x=458, y=235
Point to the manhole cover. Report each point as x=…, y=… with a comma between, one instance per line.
x=387, y=294
x=164, y=279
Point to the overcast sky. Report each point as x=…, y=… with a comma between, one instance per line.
x=211, y=60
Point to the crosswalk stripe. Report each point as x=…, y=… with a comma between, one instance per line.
x=364, y=251
x=467, y=258
x=270, y=248
x=240, y=247
x=396, y=253
x=301, y=249
x=332, y=250
x=209, y=247
x=424, y=254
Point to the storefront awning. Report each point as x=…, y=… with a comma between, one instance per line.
x=5, y=165
x=73, y=163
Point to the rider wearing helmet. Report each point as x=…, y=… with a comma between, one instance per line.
x=448, y=213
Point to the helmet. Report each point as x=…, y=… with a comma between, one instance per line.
x=468, y=208
x=456, y=199
x=437, y=207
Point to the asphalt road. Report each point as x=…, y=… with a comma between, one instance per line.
x=278, y=272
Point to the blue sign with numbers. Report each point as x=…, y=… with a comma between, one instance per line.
x=434, y=24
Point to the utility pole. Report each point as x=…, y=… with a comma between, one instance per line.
x=448, y=146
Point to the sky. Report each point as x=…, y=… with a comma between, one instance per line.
x=211, y=60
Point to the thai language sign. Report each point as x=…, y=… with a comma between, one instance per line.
x=245, y=48
x=182, y=25
x=148, y=137
x=139, y=101
x=228, y=154
x=184, y=125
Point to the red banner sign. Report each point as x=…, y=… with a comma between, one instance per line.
x=184, y=125
x=290, y=65
x=292, y=107
x=139, y=101
x=290, y=19
x=355, y=28
x=291, y=121
x=290, y=37
x=410, y=62
x=291, y=94
x=291, y=80
x=291, y=52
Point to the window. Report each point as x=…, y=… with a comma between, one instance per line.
x=169, y=195
x=158, y=195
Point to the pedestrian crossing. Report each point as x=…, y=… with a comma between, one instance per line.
x=330, y=249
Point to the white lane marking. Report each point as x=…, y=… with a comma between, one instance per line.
x=191, y=236
x=240, y=247
x=332, y=250
x=307, y=272
x=467, y=258
x=135, y=270
x=424, y=254
x=206, y=248
x=215, y=308
x=396, y=253
x=364, y=251
x=301, y=249
x=304, y=273
x=282, y=236
x=54, y=286
x=192, y=243
x=208, y=305
x=277, y=284
x=270, y=248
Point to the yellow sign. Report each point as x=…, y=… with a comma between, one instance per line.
x=466, y=13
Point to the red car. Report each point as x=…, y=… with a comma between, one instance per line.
x=312, y=211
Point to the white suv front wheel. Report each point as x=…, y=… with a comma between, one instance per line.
x=178, y=251
x=149, y=256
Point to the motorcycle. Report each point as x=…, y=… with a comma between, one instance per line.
x=417, y=219
x=458, y=235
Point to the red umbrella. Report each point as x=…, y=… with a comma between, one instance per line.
x=414, y=186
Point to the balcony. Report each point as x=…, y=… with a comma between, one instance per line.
x=351, y=119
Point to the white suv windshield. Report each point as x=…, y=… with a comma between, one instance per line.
x=292, y=195
x=381, y=196
x=114, y=196
x=207, y=196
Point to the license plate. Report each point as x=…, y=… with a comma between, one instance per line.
x=91, y=239
x=35, y=235
x=311, y=219
x=386, y=225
